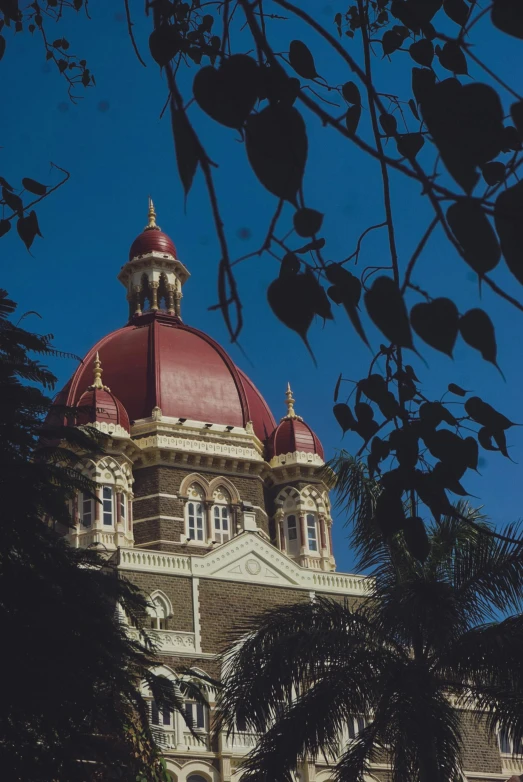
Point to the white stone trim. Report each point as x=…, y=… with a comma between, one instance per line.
x=169, y=641
x=196, y=614
x=298, y=457
x=158, y=516
x=227, y=450
x=247, y=558
x=158, y=494
x=115, y=430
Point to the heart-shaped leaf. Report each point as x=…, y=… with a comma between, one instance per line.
x=387, y=310
x=389, y=124
x=507, y=16
x=27, y=227
x=276, y=142
x=478, y=331
x=423, y=82
x=516, y=112
x=290, y=265
x=228, y=93
x=436, y=322
x=457, y=10
x=409, y=144
x=5, y=226
x=472, y=229
x=493, y=172
x=185, y=146
x=352, y=118
x=346, y=291
x=391, y=41
x=486, y=415
x=452, y=58
x=290, y=300
x=12, y=200
x=307, y=222
x=301, y=60
x=422, y=52
x=344, y=417
x=454, y=389
x=416, y=538
x=351, y=93
x=508, y=211
x=164, y=44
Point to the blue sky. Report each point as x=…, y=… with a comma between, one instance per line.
x=118, y=151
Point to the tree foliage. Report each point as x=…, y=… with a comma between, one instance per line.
x=429, y=637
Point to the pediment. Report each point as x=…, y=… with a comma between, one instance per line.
x=248, y=558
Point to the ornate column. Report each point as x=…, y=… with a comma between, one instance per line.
x=76, y=518
x=170, y=299
x=280, y=529
x=137, y=306
x=118, y=496
x=207, y=504
x=323, y=540
x=329, y=527
x=97, y=506
x=177, y=303
x=303, y=538
x=154, y=294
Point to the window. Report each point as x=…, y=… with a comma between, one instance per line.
x=107, y=505
x=312, y=538
x=158, y=613
x=86, y=510
x=222, y=527
x=507, y=746
x=291, y=528
x=160, y=716
x=195, y=519
x=241, y=725
x=195, y=713
x=122, y=507
x=356, y=724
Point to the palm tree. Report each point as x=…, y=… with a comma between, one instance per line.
x=434, y=633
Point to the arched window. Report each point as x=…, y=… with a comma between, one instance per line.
x=222, y=516
x=108, y=506
x=195, y=514
x=292, y=534
x=196, y=715
x=85, y=508
x=158, y=613
x=161, y=716
x=355, y=726
x=312, y=532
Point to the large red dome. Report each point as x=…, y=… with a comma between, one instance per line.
x=152, y=240
x=157, y=361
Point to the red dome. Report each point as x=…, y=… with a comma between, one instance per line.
x=99, y=405
x=152, y=240
x=158, y=362
x=293, y=435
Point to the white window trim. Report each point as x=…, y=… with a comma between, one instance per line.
x=316, y=551
x=195, y=541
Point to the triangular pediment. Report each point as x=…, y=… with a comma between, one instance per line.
x=248, y=558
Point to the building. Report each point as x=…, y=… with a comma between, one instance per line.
x=209, y=505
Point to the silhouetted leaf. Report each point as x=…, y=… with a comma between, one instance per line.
x=307, y=222
x=478, y=331
x=436, y=322
x=493, y=172
x=508, y=210
x=457, y=10
x=318, y=298
x=12, y=200
x=352, y=118
x=346, y=291
x=454, y=389
x=290, y=265
x=316, y=244
x=404, y=442
x=500, y=439
x=389, y=124
x=387, y=310
x=291, y=301
x=228, y=93
x=516, y=112
x=414, y=108
x=470, y=450
x=27, y=227
x=185, y=146
x=34, y=187
x=416, y=538
x=391, y=41
x=277, y=86
x=2, y=46
x=485, y=439
x=486, y=415
x=422, y=52
x=433, y=413
x=302, y=60
x=389, y=514
x=409, y=144
x=472, y=229
x=507, y=16
x=445, y=474
x=5, y=183
x=423, y=82
x=351, y=93
x=276, y=142
x=452, y=58
x=343, y=415
x=164, y=44
x=5, y=226
x=433, y=494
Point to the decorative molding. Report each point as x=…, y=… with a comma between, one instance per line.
x=159, y=516
x=186, y=445
x=298, y=457
x=168, y=641
x=115, y=430
x=196, y=614
x=158, y=494
x=247, y=558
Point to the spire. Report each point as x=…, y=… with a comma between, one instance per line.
x=97, y=384
x=289, y=401
x=151, y=218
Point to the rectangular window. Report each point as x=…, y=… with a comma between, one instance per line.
x=241, y=725
x=155, y=713
x=221, y=523
x=312, y=538
x=356, y=724
x=195, y=714
x=291, y=527
x=507, y=745
x=86, y=510
x=122, y=507
x=195, y=520
x=107, y=502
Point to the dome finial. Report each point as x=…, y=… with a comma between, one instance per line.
x=289, y=401
x=97, y=375
x=151, y=217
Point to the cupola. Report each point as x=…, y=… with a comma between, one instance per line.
x=153, y=275
x=293, y=437
x=100, y=408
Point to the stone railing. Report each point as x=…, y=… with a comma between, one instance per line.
x=164, y=738
x=240, y=743
x=201, y=742
x=154, y=561
x=512, y=764
x=168, y=641
x=340, y=582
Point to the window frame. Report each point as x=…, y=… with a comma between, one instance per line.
x=293, y=528
x=220, y=534
x=504, y=738
x=194, y=517
x=198, y=710
x=83, y=499
x=312, y=526
x=108, y=513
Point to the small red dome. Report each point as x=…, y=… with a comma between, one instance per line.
x=293, y=435
x=152, y=240
x=99, y=405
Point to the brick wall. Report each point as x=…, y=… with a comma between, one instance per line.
x=481, y=752
x=179, y=591
x=224, y=604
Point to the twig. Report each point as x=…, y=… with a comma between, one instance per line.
x=131, y=34
x=417, y=252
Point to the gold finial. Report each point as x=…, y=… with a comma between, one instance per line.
x=97, y=375
x=289, y=401
x=151, y=217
